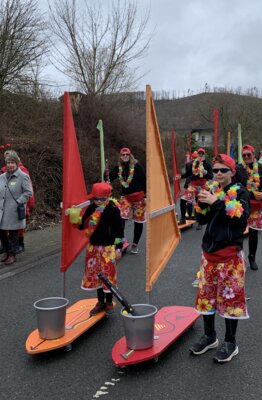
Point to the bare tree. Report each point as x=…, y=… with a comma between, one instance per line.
x=22, y=41
x=99, y=46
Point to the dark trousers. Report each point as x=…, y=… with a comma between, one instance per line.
x=10, y=241
x=231, y=327
x=252, y=241
x=138, y=230
x=101, y=295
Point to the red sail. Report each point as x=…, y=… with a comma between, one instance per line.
x=215, y=132
x=74, y=190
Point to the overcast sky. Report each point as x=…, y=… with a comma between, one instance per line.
x=200, y=41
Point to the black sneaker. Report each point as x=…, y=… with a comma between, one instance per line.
x=252, y=263
x=98, y=308
x=226, y=352
x=205, y=343
x=109, y=308
x=199, y=227
x=182, y=221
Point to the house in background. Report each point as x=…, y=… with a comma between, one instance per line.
x=203, y=136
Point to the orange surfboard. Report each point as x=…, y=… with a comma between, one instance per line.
x=170, y=323
x=78, y=320
x=189, y=223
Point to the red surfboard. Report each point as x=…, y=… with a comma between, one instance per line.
x=170, y=323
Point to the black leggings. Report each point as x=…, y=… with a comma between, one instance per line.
x=138, y=230
x=231, y=327
x=101, y=295
x=252, y=241
x=10, y=241
x=186, y=206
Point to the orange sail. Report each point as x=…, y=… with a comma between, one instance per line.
x=74, y=190
x=162, y=235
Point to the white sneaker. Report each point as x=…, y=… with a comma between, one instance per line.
x=134, y=249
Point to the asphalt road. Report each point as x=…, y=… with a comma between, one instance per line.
x=87, y=372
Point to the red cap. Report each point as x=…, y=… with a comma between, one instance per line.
x=228, y=161
x=8, y=145
x=101, y=189
x=248, y=147
x=201, y=150
x=125, y=150
x=2, y=147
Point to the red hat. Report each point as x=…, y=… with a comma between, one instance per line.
x=101, y=189
x=228, y=161
x=194, y=154
x=125, y=150
x=2, y=147
x=248, y=147
x=8, y=145
x=201, y=150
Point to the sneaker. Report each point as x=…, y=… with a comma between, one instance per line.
x=4, y=257
x=109, y=308
x=10, y=260
x=205, y=343
x=98, y=308
x=226, y=352
x=252, y=263
x=182, y=221
x=133, y=248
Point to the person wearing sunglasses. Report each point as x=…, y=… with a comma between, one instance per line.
x=103, y=227
x=224, y=207
x=132, y=179
x=249, y=173
x=197, y=172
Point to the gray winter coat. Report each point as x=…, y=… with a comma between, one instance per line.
x=20, y=185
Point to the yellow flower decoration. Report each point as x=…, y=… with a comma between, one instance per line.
x=203, y=305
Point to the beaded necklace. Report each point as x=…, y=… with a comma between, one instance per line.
x=233, y=206
x=198, y=168
x=130, y=176
x=253, y=181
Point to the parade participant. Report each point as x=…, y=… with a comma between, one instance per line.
x=260, y=158
x=249, y=173
x=133, y=188
x=104, y=229
x=198, y=171
x=225, y=210
x=15, y=190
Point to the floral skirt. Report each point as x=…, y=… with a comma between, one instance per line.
x=99, y=259
x=135, y=210
x=192, y=190
x=255, y=219
x=221, y=288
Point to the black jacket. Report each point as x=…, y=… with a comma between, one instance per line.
x=188, y=172
x=109, y=227
x=222, y=230
x=138, y=183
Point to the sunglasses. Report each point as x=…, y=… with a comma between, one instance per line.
x=222, y=170
x=201, y=154
x=125, y=154
x=102, y=199
x=246, y=155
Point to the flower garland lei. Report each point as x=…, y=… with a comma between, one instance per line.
x=96, y=216
x=233, y=206
x=130, y=176
x=253, y=181
x=198, y=168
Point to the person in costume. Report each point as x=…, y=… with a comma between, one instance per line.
x=15, y=190
x=103, y=227
x=198, y=172
x=249, y=173
x=224, y=207
x=133, y=191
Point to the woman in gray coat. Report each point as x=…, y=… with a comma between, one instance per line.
x=15, y=189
